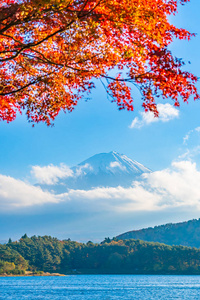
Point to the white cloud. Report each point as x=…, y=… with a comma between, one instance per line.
x=16, y=193
x=175, y=187
x=190, y=154
x=186, y=138
x=114, y=198
x=116, y=164
x=51, y=174
x=178, y=185
x=189, y=133
x=167, y=112
x=190, y=149
x=80, y=170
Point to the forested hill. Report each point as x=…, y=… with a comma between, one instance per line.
x=185, y=233
x=109, y=257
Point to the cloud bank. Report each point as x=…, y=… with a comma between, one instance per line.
x=15, y=194
x=174, y=187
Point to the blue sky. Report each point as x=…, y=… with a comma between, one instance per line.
x=97, y=126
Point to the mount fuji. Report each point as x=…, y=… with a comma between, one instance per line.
x=109, y=169
x=101, y=170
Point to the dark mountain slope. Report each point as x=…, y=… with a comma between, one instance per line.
x=185, y=233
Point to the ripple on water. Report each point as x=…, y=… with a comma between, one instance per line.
x=105, y=287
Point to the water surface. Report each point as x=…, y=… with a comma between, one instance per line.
x=104, y=287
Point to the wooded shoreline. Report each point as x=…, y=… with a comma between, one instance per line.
x=48, y=256
x=31, y=274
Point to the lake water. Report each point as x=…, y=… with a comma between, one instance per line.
x=104, y=287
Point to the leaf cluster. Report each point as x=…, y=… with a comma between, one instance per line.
x=52, y=50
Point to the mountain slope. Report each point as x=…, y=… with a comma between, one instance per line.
x=112, y=163
x=105, y=169
x=185, y=234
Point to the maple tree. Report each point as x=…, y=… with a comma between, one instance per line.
x=51, y=51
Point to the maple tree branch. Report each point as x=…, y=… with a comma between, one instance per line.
x=10, y=12
x=39, y=79
x=30, y=45
x=20, y=89
x=31, y=18
x=44, y=60
x=11, y=57
x=49, y=47
x=125, y=79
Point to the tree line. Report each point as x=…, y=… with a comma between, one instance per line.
x=111, y=256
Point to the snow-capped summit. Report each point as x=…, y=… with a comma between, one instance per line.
x=110, y=163
x=101, y=170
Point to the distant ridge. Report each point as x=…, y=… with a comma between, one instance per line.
x=184, y=233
